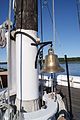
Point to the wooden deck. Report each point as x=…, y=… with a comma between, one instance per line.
x=75, y=97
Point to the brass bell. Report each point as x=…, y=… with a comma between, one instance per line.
x=51, y=64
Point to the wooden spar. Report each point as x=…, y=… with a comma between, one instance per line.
x=29, y=15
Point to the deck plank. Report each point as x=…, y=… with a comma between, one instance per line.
x=75, y=97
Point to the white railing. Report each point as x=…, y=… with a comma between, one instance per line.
x=74, y=81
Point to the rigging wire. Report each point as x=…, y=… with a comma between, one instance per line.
x=47, y=5
x=54, y=30
x=14, y=22
x=41, y=20
x=78, y=10
x=41, y=52
x=21, y=12
x=52, y=20
x=21, y=57
x=56, y=36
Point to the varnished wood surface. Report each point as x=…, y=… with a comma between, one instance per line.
x=3, y=73
x=3, y=76
x=75, y=97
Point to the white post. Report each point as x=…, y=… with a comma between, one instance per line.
x=13, y=65
x=8, y=58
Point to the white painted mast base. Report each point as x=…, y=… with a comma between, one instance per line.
x=42, y=114
x=26, y=74
x=29, y=106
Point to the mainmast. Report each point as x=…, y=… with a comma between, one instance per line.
x=26, y=14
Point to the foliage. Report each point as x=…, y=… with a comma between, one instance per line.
x=72, y=59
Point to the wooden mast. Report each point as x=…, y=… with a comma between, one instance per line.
x=29, y=15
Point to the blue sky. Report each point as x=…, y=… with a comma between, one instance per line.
x=67, y=27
